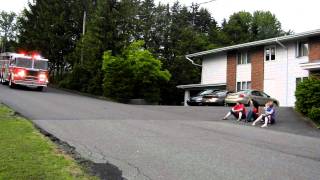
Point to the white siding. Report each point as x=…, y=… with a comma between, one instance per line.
x=214, y=69
x=275, y=76
x=280, y=75
x=243, y=72
x=294, y=71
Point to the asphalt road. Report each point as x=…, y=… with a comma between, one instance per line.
x=172, y=143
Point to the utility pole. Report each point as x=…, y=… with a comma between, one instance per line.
x=83, y=32
x=195, y=6
x=1, y=45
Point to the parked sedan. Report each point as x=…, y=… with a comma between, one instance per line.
x=243, y=96
x=216, y=98
x=197, y=100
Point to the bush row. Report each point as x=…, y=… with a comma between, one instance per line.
x=308, y=98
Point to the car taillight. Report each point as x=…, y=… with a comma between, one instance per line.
x=42, y=77
x=241, y=95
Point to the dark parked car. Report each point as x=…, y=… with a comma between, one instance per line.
x=215, y=98
x=197, y=100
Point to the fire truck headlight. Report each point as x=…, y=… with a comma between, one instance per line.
x=21, y=73
x=42, y=77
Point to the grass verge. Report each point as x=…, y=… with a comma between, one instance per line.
x=26, y=154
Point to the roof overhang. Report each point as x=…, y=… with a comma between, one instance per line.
x=311, y=66
x=200, y=86
x=258, y=43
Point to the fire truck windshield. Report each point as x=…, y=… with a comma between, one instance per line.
x=39, y=64
x=23, y=62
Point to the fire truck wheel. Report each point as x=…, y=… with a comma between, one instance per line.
x=4, y=82
x=40, y=88
x=11, y=84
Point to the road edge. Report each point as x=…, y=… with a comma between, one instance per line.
x=307, y=120
x=81, y=93
x=104, y=171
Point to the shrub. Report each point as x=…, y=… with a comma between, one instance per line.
x=308, y=95
x=136, y=73
x=314, y=114
x=76, y=79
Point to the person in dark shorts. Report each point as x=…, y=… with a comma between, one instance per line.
x=238, y=111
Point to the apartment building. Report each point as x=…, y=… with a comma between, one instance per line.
x=274, y=66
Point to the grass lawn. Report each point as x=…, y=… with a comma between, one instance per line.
x=26, y=154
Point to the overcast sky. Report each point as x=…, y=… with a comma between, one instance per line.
x=297, y=15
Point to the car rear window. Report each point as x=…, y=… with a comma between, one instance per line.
x=244, y=92
x=209, y=91
x=221, y=93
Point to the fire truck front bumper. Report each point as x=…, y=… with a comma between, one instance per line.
x=30, y=83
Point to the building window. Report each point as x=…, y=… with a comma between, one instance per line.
x=243, y=58
x=302, y=49
x=300, y=79
x=243, y=85
x=270, y=53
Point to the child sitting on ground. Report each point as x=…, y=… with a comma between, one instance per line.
x=253, y=111
x=268, y=117
x=238, y=111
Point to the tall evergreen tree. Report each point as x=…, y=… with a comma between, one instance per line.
x=51, y=28
x=8, y=30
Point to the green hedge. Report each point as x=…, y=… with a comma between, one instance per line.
x=314, y=114
x=308, y=98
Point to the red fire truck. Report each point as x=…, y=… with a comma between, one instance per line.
x=24, y=70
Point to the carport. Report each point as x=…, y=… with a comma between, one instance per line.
x=198, y=87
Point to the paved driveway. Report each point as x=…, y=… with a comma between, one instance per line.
x=169, y=142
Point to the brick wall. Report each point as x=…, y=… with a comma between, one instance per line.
x=231, y=71
x=257, y=68
x=314, y=49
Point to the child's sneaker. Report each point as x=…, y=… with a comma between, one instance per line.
x=263, y=126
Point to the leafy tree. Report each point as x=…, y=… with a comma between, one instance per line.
x=8, y=30
x=237, y=29
x=244, y=27
x=265, y=25
x=136, y=73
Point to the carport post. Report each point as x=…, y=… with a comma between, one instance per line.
x=186, y=97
